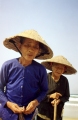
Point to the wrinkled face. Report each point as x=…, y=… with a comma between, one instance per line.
x=29, y=49
x=58, y=69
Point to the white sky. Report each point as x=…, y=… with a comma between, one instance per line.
x=55, y=20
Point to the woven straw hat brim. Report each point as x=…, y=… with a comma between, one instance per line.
x=60, y=60
x=31, y=34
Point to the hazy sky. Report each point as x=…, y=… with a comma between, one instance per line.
x=55, y=20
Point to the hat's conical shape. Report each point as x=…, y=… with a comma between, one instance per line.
x=59, y=60
x=45, y=52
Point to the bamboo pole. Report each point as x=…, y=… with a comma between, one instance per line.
x=55, y=110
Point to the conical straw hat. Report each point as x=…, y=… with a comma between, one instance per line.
x=59, y=60
x=45, y=51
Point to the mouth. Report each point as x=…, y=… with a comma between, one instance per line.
x=57, y=72
x=30, y=55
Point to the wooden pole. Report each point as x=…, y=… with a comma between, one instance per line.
x=55, y=110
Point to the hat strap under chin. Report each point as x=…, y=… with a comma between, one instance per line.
x=13, y=42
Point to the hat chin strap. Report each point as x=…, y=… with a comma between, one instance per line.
x=13, y=42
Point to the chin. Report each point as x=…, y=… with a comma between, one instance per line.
x=57, y=74
x=31, y=57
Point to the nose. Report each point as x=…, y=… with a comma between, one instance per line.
x=31, y=49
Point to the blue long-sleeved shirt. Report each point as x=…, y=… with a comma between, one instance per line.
x=23, y=84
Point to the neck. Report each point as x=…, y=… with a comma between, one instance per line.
x=55, y=78
x=24, y=62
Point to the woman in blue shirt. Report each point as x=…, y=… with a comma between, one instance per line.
x=24, y=78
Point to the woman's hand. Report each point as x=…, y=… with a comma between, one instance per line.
x=31, y=107
x=55, y=95
x=14, y=107
x=55, y=100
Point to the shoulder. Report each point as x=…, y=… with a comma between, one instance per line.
x=49, y=75
x=64, y=78
x=8, y=62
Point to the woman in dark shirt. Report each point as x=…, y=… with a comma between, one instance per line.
x=58, y=88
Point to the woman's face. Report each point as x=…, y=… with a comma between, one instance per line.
x=58, y=69
x=29, y=49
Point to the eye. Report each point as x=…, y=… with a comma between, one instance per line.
x=31, y=46
x=27, y=45
x=36, y=47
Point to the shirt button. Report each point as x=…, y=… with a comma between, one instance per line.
x=10, y=115
x=21, y=86
x=21, y=95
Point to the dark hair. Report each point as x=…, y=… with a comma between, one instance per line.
x=43, y=47
x=22, y=40
x=44, y=50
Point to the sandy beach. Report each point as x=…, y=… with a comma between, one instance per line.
x=66, y=118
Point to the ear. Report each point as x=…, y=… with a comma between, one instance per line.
x=19, y=45
x=65, y=69
x=50, y=63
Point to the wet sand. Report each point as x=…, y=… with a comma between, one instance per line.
x=66, y=118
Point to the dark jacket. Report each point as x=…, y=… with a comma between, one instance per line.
x=62, y=86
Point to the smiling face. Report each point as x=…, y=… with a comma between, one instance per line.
x=29, y=48
x=58, y=69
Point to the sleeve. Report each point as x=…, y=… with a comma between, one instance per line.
x=3, y=82
x=66, y=95
x=43, y=85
